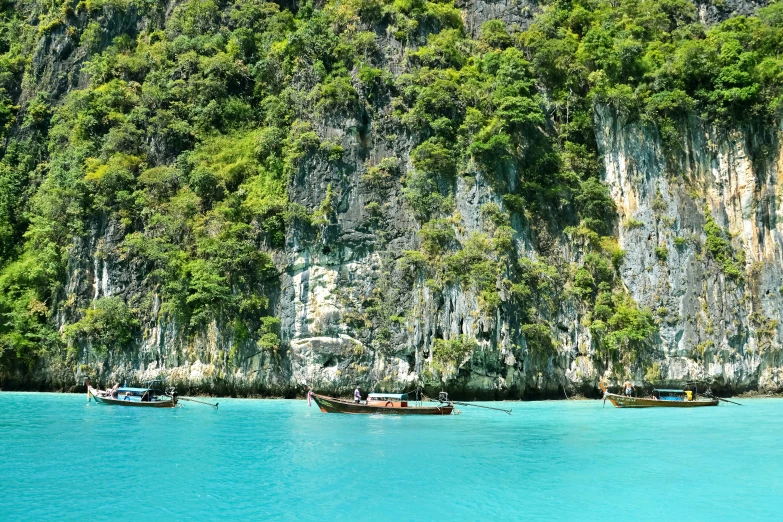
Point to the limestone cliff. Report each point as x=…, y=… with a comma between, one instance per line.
x=712, y=326
x=700, y=223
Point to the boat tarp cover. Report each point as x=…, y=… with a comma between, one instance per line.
x=402, y=396
x=132, y=390
x=664, y=390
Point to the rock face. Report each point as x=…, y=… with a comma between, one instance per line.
x=714, y=12
x=515, y=13
x=351, y=312
x=713, y=327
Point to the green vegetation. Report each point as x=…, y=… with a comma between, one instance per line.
x=627, y=333
x=632, y=224
x=188, y=136
x=180, y=143
x=654, y=374
x=719, y=247
x=765, y=329
x=109, y=325
x=654, y=60
x=454, y=350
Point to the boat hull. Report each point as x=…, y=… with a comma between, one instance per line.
x=624, y=401
x=169, y=403
x=332, y=405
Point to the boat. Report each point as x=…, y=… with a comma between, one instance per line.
x=661, y=398
x=379, y=403
x=145, y=397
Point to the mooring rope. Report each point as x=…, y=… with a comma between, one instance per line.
x=417, y=391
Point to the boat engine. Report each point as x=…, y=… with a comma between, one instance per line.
x=443, y=397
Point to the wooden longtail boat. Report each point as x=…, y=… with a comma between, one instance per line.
x=661, y=398
x=379, y=404
x=138, y=397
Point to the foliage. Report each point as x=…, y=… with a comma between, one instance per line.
x=596, y=207
x=654, y=374
x=655, y=61
x=323, y=214
x=453, y=351
x=627, y=333
x=26, y=286
x=381, y=174
x=766, y=330
x=436, y=236
x=494, y=34
x=474, y=266
x=186, y=137
x=633, y=224
x=719, y=248
x=270, y=334
x=539, y=339
x=109, y=325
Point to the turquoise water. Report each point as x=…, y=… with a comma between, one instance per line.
x=64, y=459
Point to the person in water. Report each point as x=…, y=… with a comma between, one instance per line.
x=357, y=396
x=628, y=386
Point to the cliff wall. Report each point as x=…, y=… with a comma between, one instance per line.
x=712, y=326
x=354, y=293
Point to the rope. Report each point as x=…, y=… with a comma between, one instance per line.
x=417, y=391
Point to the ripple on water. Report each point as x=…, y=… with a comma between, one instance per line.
x=64, y=459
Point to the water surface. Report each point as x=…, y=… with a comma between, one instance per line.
x=64, y=459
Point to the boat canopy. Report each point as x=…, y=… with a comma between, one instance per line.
x=133, y=390
x=399, y=396
x=668, y=390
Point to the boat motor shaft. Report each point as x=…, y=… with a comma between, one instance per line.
x=444, y=397
x=508, y=412
x=200, y=402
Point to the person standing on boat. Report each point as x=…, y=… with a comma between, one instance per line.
x=357, y=396
x=628, y=388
